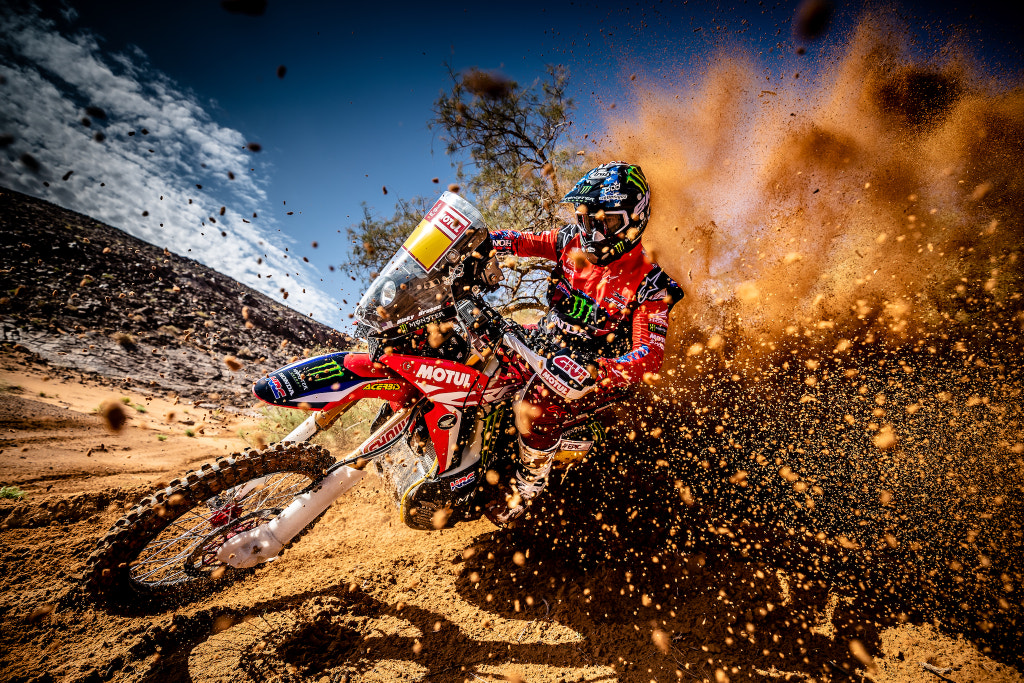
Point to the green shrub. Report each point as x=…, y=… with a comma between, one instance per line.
x=11, y=493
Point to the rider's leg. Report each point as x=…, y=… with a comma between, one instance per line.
x=540, y=415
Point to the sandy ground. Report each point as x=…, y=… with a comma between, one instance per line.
x=362, y=598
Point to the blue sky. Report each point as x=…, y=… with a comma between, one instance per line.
x=348, y=117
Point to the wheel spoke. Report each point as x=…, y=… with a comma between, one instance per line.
x=169, y=558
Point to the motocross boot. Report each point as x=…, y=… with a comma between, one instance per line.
x=531, y=476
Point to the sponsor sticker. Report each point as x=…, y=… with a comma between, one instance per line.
x=435, y=234
x=275, y=387
x=464, y=481
x=447, y=421
x=386, y=438
x=384, y=386
x=571, y=368
x=581, y=446
x=438, y=374
x=554, y=382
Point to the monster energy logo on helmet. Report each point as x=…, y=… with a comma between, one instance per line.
x=615, y=187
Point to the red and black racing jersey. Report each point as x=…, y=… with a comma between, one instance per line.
x=617, y=313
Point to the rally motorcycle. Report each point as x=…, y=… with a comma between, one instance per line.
x=448, y=369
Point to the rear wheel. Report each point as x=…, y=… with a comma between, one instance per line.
x=166, y=548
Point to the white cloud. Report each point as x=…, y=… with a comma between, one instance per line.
x=51, y=78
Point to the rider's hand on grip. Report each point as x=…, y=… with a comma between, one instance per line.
x=567, y=377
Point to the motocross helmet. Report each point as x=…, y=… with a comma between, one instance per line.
x=612, y=209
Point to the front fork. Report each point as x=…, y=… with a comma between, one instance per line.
x=266, y=541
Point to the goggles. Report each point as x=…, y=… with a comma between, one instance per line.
x=603, y=224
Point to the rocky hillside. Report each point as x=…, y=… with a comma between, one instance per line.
x=84, y=296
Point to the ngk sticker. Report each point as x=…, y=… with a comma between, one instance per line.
x=435, y=234
x=438, y=374
x=572, y=368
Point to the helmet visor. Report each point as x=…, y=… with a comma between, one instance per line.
x=602, y=224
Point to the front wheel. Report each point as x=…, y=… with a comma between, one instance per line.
x=166, y=548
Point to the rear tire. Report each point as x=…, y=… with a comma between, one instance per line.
x=165, y=549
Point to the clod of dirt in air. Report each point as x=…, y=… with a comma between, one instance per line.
x=492, y=477
x=113, y=415
x=578, y=258
x=6, y=140
x=812, y=19
x=234, y=365
x=440, y=518
x=417, y=647
x=40, y=612
x=433, y=180
x=747, y=292
x=252, y=8
x=254, y=147
x=96, y=112
x=30, y=162
x=490, y=85
x=885, y=438
x=281, y=71
x=526, y=413
x=453, y=187
x=66, y=175
x=219, y=572
x=384, y=189
x=660, y=640
x=519, y=558
x=721, y=676
x=222, y=623
x=858, y=650
x=245, y=313
x=981, y=191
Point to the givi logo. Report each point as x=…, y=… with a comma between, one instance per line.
x=572, y=368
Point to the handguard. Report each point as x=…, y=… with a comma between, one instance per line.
x=561, y=373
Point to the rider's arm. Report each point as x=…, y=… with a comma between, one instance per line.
x=541, y=245
x=650, y=324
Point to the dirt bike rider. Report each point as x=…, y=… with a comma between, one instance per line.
x=607, y=301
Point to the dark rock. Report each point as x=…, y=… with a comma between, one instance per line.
x=60, y=248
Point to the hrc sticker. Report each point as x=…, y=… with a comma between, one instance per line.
x=435, y=234
x=463, y=481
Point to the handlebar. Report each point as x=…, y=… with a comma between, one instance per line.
x=560, y=372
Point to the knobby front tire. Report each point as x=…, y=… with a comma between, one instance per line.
x=164, y=550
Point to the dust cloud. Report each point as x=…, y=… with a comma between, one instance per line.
x=841, y=395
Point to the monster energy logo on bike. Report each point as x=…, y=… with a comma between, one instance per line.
x=322, y=372
x=582, y=309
